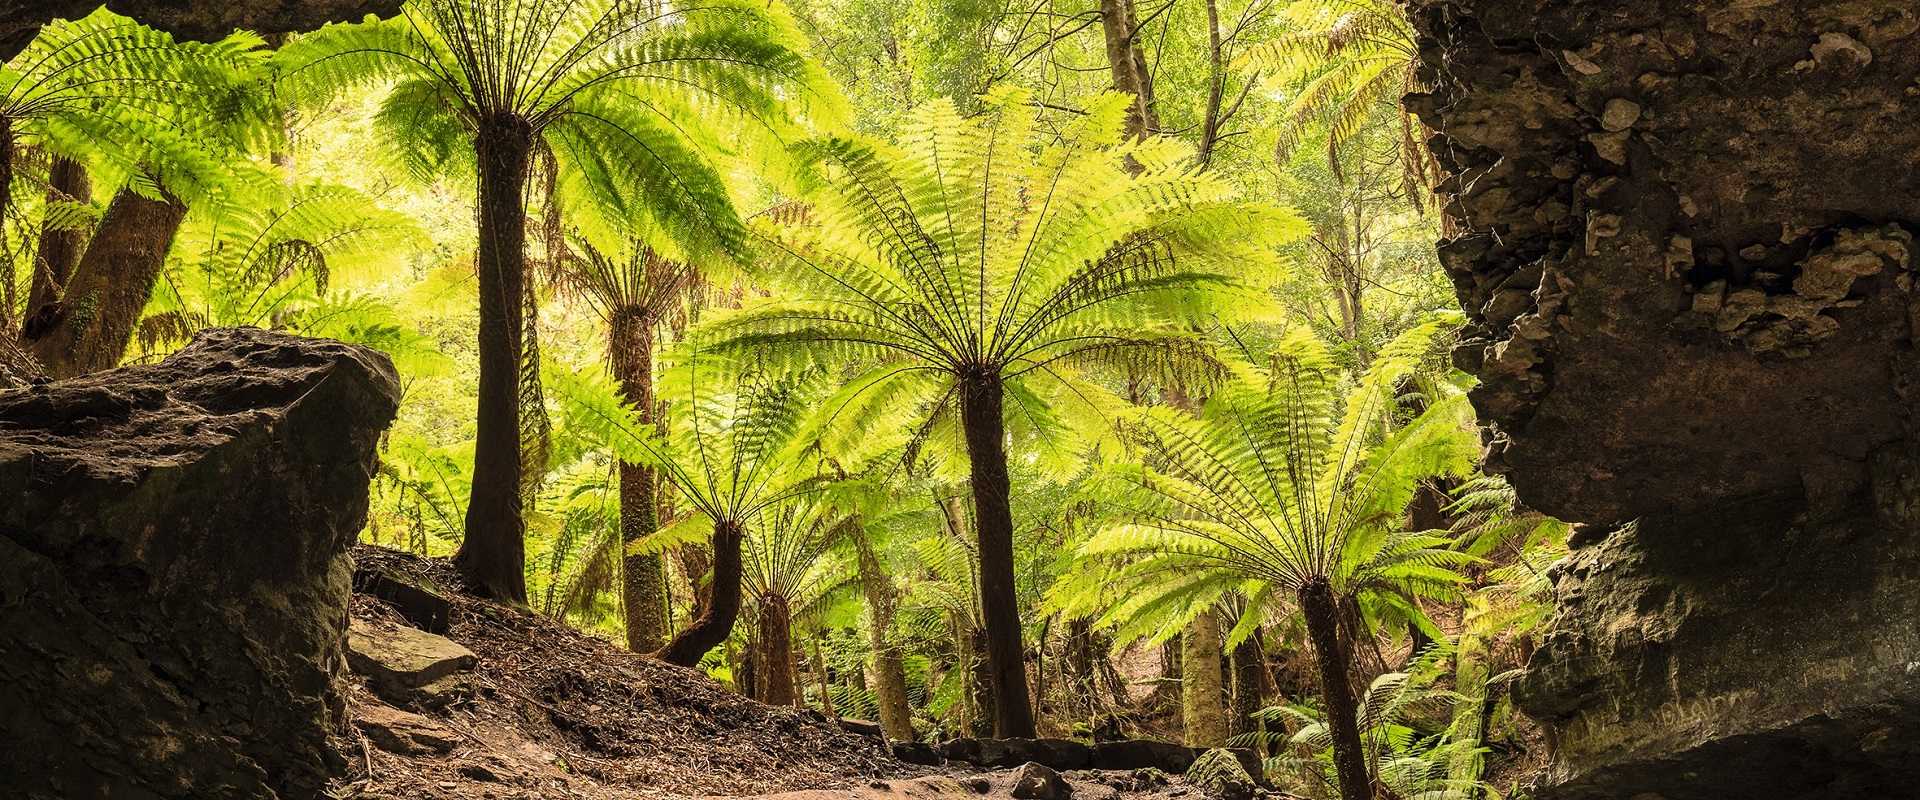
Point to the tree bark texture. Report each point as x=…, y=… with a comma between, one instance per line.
x=715, y=623
x=773, y=651
x=643, y=575
x=889, y=666
x=1321, y=607
x=1129, y=66
x=985, y=431
x=58, y=253
x=1203, y=715
x=494, y=551
x=1249, y=683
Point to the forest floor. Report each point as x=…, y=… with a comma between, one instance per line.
x=555, y=713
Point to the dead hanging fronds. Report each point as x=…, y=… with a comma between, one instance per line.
x=161, y=331
x=536, y=428
x=288, y=258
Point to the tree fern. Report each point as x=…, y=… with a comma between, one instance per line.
x=1007, y=263
x=1288, y=486
x=734, y=453
x=637, y=103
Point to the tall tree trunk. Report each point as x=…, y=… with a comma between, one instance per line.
x=59, y=250
x=110, y=286
x=1128, y=67
x=1203, y=716
x=715, y=623
x=889, y=666
x=773, y=646
x=1322, y=611
x=1249, y=683
x=494, y=552
x=985, y=430
x=643, y=575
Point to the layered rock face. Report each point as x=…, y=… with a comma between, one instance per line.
x=173, y=568
x=1687, y=254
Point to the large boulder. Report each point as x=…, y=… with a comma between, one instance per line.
x=1686, y=254
x=173, y=568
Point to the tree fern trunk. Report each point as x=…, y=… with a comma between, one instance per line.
x=643, y=576
x=773, y=651
x=110, y=286
x=58, y=252
x=723, y=606
x=980, y=409
x=1322, y=611
x=822, y=678
x=493, y=554
x=1249, y=683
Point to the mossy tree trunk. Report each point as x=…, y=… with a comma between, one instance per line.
x=887, y=661
x=1203, y=716
x=630, y=342
x=110, y=286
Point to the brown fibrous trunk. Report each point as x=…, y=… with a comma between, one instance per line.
x=715, y=623
x=773, y=651
x=493, y=554
x=985, y=430
x=1321, y=607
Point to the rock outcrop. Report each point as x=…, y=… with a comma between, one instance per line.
x=1687, y=255
x=409, y=666
x=197, y=21
x=173, y=568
